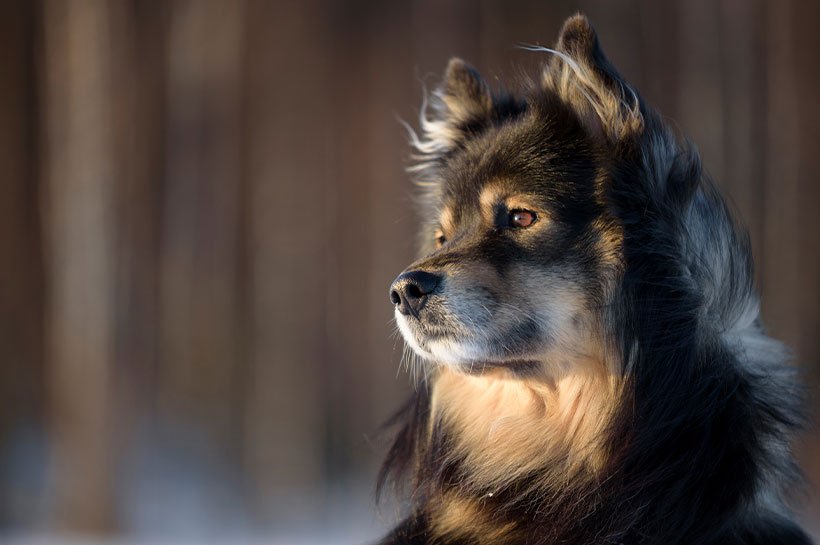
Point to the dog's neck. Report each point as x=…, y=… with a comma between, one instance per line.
x=507, y=425
x=505, y=429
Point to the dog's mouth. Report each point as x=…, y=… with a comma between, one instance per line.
x=518, y=367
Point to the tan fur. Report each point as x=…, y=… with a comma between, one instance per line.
x=447, y=222
x=491, y=195
x=509, y=426
x=610, y=243
x=613, y=113
x=457, y=516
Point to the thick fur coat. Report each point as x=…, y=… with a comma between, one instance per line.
x=586, y=322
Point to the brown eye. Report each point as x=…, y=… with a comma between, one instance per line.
x=439, y=238
x=522, y=218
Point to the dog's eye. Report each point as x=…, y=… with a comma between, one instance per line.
x=439, y=238
x=520, y=219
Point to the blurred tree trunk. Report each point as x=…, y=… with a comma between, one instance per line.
x=79, y=224
x=21, y=266
x=288, y=214
x=790, y=268
x=201, y=293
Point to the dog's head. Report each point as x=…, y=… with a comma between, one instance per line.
x=521, y=250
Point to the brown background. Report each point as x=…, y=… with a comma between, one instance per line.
x=203, y=202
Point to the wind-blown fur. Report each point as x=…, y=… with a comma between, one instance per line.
x=669, y=419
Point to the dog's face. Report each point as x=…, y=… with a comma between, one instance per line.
x=520, y=249
x=519, y=256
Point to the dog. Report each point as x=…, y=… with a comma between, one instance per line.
x=595, y=370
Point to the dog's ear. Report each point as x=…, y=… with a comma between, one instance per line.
x=462, y=104
x=465, y=94
x=582, y=77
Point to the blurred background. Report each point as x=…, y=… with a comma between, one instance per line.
x=202, y=203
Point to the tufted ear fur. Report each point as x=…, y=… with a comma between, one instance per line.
x=461, y=104
x=465, y=93
x=582, y=77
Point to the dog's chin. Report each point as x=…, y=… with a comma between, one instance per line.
x=466, y=356
x=473, y=361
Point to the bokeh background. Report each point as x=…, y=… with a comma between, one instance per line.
x=202, y=203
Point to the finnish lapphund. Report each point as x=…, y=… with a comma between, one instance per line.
x=584, y=317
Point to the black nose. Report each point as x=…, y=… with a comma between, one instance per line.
x=410, y=290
